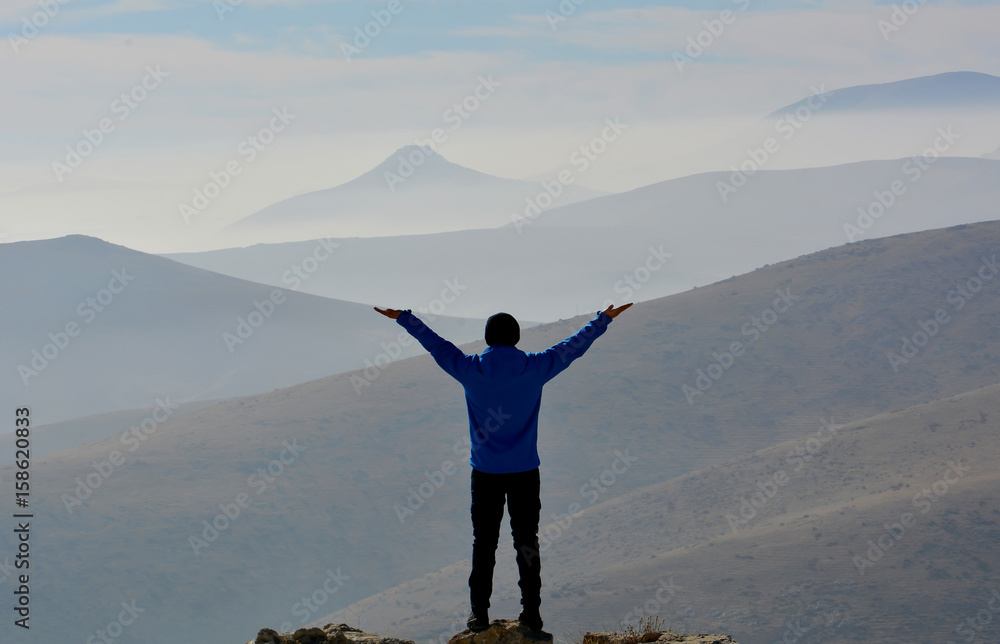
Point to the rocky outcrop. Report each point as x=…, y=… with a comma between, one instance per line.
x=329, y=634
x=505, y=631
x=501, y=631
x=660, y=637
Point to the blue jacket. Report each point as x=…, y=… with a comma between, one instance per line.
x=503, y=390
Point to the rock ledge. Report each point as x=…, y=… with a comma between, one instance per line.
x=501, y=631
x=659, y=637
x=329, y=634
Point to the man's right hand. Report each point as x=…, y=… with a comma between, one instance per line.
x=612, y=312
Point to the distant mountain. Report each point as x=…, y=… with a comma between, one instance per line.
x=950, y=89
x=91, y=327
x=573, y=259
x=995, y=154
x=414, y=191
x=815, y=332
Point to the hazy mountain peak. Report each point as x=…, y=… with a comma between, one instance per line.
x=415, y=190
x=426, y=164
x=949, y=89
x=82, y=248
x=421, y=154
x=77, y=240
x=406, y=150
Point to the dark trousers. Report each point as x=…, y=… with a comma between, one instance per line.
x=521, y=491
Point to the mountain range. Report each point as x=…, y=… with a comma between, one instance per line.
x=790, y=436
x=642, y=244
x=258, y=499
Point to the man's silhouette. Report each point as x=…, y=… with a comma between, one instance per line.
x=503, y=392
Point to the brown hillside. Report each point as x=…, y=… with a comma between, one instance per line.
x=684, y=550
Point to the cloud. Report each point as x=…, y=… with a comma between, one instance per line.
x=79, y=9
x=845, y=35
x=15, y=9
x=557, y=86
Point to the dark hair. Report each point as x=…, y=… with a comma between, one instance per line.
x=502, y=329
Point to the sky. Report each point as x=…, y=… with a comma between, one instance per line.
x=115, y=112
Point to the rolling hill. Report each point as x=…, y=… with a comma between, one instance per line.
x=792, y=534
x=92, y=327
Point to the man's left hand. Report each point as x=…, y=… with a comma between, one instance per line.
x=613, y=312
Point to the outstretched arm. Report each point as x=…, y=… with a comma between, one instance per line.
x=447, y=355
x=556, y=358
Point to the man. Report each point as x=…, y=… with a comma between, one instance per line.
x=503, y=392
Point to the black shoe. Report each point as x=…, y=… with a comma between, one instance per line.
x=477, y=622
x=533, y=627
